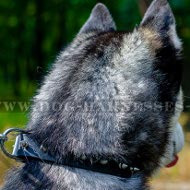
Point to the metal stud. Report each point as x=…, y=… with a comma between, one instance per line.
x=131, y=168
x=24, y=144
x=136, y=169
x=123, y=166
x=103, y=162
x=43, y=148
x=83, y=157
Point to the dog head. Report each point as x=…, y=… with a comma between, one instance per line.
x=115, y=94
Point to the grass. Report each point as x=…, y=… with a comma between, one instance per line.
x=178, y=174
x=176, y=178
x=12, y=119
x=8, y=120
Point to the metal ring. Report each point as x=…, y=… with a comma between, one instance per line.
x=4, y=138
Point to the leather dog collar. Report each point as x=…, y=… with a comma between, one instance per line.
x=25, y=150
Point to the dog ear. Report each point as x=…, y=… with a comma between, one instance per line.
x=100, y=20
x=159, y=18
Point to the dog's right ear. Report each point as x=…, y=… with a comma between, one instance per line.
x=160, y=19
x=100, y=20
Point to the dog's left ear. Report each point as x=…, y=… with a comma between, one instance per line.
x=160, y=19
x=100, y=20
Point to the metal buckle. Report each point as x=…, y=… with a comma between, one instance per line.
x=4, y=138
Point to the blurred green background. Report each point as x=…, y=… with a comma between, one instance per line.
x=32, y=33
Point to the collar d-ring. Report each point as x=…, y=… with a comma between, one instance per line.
x=4, y=138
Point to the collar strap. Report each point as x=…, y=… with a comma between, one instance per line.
x=26, y=149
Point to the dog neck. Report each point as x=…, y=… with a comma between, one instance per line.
x=26, y=149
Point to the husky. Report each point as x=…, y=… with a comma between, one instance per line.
x=107, y=112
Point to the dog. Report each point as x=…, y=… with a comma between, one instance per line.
x=107, y=112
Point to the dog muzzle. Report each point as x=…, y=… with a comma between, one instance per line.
x=175, y=146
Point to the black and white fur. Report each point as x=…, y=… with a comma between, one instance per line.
x=107, y=96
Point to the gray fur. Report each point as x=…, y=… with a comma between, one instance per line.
x=89, y=105
x=44, y=176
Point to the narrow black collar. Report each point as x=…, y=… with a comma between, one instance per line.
x=25, y=150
